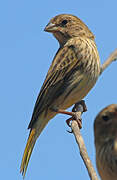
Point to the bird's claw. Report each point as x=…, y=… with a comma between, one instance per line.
x=79, y=122
x=68, y=121
x=69, y=131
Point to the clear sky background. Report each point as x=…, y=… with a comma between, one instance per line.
x=26, y=52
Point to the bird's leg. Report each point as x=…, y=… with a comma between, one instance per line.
x=61, y=111
x=78, y=107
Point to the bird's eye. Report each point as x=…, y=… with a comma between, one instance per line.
x=64, y=22
x=105, y=118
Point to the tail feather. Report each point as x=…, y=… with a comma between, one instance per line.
x=34, y=134
x=27, y=152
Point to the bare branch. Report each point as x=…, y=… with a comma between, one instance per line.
x=110, y=59
x=80, y=141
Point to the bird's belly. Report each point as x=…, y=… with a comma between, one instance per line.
x=76, y=93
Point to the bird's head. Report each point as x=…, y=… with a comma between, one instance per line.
x=105, y=125
x=66, y=26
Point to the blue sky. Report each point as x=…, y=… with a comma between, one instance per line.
x=26, y=52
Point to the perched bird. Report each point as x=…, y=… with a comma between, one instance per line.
x=72, y=74
x=105, y=130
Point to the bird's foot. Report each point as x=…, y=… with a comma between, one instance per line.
x=78, y=120
x=78, y=107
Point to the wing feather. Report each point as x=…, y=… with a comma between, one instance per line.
x=65, y=63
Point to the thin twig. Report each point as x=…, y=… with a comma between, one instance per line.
x=109, y=60
x=83, y=151
x=80, y=141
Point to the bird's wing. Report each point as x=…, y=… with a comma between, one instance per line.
x=63, y=65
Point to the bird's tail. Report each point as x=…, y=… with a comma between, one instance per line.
x=28, y=150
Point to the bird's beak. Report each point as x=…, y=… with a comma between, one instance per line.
x=50, y=27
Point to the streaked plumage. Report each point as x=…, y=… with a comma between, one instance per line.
x=105, y=130
x=73, y=72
